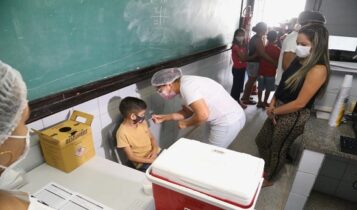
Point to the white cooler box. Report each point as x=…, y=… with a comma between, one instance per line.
x=192, y=175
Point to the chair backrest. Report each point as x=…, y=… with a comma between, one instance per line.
x=119, y=153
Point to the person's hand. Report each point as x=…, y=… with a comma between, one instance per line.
x=182, y=124
x=152, y=155
x=156, y=118
x=270, y=113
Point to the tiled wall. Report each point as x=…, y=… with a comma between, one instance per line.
x=338, y=177
x=305, y=177
x=106, y=113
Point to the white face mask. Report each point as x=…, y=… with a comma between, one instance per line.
x=240, y=38
x=168, y=95
x=10, y=178
x=302, y=51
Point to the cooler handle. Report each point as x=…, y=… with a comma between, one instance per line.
x=193, y=183
x=76, y=114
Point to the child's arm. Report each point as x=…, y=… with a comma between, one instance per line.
x=262, y=53
x=132, y=157
x=154, y=151
x=242, y=56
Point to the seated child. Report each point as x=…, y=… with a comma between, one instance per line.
x=134, y=135
x=267, y=70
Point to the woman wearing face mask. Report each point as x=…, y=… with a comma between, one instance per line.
x=239, y=56
x=305, y=78
x=14, y=140
x=204, y=100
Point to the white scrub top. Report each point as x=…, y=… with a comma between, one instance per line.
x=223, y=109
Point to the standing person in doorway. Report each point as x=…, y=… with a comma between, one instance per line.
x=256, y=50
x=306, y=77
x=204, y=100
x=239, y=56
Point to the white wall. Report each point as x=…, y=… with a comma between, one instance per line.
x=106, y=112
x=327, y=101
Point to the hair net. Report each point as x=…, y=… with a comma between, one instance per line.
x=165, y=76
x=13, y=94
x=306, y=17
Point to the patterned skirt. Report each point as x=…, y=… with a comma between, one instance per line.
x=274, y=141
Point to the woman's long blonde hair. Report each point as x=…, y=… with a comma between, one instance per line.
x=319, y=55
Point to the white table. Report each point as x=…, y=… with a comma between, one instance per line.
x=107, y=182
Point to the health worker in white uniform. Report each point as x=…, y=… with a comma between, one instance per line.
x=14, y=141
x=204, y=100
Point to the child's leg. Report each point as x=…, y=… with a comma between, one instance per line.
x=266, y=97
x=144, y=167
x=270, y=86
x=240, y=83
x=235, y=87
x=261, y=87
x=260, y=94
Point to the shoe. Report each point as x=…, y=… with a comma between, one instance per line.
x=267, y=183
x=242, y=105
x=266, y=104
x=265, y=174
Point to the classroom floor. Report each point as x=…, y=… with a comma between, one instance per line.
x=274, y=197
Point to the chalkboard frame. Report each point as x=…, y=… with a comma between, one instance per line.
x=57, y=102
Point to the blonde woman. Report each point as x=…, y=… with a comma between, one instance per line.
x=305, y=78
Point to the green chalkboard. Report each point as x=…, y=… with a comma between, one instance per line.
x=62, y=44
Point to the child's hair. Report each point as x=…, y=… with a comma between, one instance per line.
x=131, y=104
x=272, y=36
